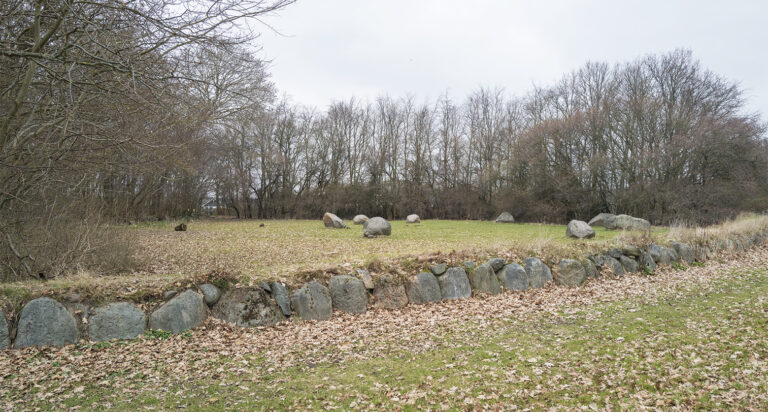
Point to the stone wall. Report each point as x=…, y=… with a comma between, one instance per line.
x=44, y=321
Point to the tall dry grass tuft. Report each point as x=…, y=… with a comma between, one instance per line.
x=744, y=224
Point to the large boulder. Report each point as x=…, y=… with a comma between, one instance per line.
x=513, y=277
x=505, y=217
x=590, y=268
x=282, y=297
x=454, y=284
x=121, y=320
x=211, y=293
x=312, y=301
x=248, y=307
x=684, y=251
x=483, y=279
x=601, y=219
x=348, y=294
x=332, y=221
x=360, y=219
x=389, y=293
x=44, y=322
x=570, y=273
x=412, y=219
x=609, y=263
x=662, y=255
x=579, y=229
x=626, y=222
x=5, y=337
x=376, y=226
x=185, y=311
x=538, y=273
x=423, y=289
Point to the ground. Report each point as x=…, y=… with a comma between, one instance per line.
x=688, y=338
x=292, y=251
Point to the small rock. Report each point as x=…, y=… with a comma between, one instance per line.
x=454, y=284
x=589, y=268
x=505, y=217
x=570, y=273
x=168, y=294
x=360, y=219
x=348, y=294
x=631, y=251
x=629, y=265
x=538, y=273
x=579, y=229
x=365, y=276
x=412, y=219
x=496, y=264
x=312, y=301
x=389, y=293
x=376, y=226
x=439, y=269
x=646, y=262
x=469, y=264
x=615, y=253
x=211, y=293
x=282, y=297
x=332, y=221
x=181, y=227
x=513, y=277
x=423, y=289
x=185, y=311
x=265, y=285
x=483, y=279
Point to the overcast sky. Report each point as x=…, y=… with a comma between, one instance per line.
x=335, y=49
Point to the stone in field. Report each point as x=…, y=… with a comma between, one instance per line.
x=389, y=293
x=538, y=273
x=505, y=217
x=365, y=276
x=282, y=297
x=248, y=307
x=570, y=273
x=45, y=322
x=483, y=279
x=412, y=219
x=626, y=222
x=185, y=311
x=360, y=219
x=376, y=226
x=454, y=284
x=513, y=277
x=211, y=293
x=312, y=301
x=348, y=294
x=332, y=221
x=631, y=251
x=600, y=219
x=607, y=262
x=5, y=337
x=439, y=269
x=684, y=251
x=181, y=227
x=629, y=265
x=496, y=264
x=589, y=268
x=647, y=263
x=579, y=230
x=121, y=320
x=423, y=289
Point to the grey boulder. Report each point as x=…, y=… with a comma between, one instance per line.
x=312, y=301
x=412, y=219
x=505, y=217
x=570, y=273
x=607, y=262
x=496, y=264
x=282, y=297
x=185, y=311
x=376, y=226
x=601, y=219
x=629, y=265
x=647, y=263
x=5, y=337
x=684, y=251
x=348, y=294
x=538, y=273
x=248, y=307
x=423, y=289
x=44, y=322
x=579, y=229
x=454, y=284
x=631, y=251
x=626, y=222
x=360, y=219
x=439, y=269
x=513, y=277
x=121, y=320
x=483, y=279
x=211, y=293
x=589, y=268
x=389, y=293
x=332, y=221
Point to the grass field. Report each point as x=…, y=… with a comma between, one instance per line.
x=684, y=339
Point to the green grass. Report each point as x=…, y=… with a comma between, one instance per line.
x=704, y=348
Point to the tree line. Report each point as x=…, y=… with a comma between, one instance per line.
x=124, y=111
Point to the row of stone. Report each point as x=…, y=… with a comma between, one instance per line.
x=45, y=321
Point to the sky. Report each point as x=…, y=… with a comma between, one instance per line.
x=329, y=50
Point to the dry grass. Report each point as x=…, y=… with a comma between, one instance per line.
x=744, y=225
